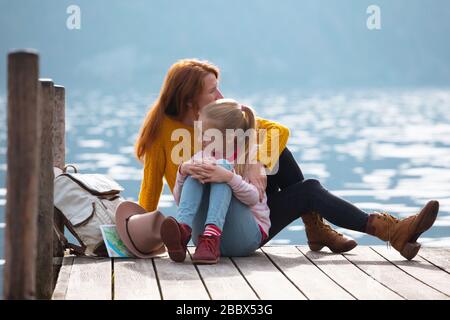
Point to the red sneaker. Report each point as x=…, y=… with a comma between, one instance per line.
x=175, y=236
x=207, y=251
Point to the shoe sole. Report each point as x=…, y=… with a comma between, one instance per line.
x=348, y=248
x=410, y=250
x=427, y=217
x=317, y=247
x=205, y=261
x=171, y=237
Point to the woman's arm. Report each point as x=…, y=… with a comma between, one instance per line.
x=152, y=182
x=265, y=155
x=274, y=131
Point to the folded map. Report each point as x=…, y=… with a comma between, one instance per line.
x=116, y=248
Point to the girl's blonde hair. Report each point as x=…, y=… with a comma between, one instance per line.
x=229, y=114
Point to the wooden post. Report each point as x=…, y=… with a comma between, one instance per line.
x=59, y=160
x=59, y=128
x=22, y=176
x=44, y=262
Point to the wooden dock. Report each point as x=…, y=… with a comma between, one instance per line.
x=272, y=273
x=36, y=144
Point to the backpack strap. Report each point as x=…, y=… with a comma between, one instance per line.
x=74, y=249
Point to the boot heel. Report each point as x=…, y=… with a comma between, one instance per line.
x=410, y=250
x=315, y=246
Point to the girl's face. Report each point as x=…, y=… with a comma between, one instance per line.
x=205, y=125
x=209, y=137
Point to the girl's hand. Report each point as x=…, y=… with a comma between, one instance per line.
x=213, y=173
x=185, y=168
x=188, y=168
x=257, y=176
x=192, y=167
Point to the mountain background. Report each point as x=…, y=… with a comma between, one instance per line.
x=260, y=45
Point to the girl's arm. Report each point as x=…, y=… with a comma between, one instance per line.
x=152, y=182
x=181, y=177
x=178, y=185
x=246, y=192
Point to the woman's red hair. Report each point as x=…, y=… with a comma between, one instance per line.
x=183, y=84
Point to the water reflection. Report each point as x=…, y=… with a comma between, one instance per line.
x=381, y=150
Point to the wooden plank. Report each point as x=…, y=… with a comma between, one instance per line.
x=90, y=279
x=291, y=271
x=63, y=279
x=388, y=274
x=135, y=279
x=349, y=276
x=266, y=279
x=224, y=281
x=179, y=281
x=22, y=176
x=311, y=280
x=438, y=256
x=419, y=268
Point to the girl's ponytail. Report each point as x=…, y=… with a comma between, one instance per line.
x=249, y=116
x=248, y=126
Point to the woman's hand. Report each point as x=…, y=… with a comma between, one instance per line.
x=211, y=172
x=257, y=176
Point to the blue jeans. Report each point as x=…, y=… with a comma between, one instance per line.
x=214, y=203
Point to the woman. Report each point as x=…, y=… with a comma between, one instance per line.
x=191, y=85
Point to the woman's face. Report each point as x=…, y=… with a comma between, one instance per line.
x=210, y=91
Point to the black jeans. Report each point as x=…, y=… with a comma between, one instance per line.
x=289, y=196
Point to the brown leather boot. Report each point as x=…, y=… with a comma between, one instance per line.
x=320, y=234
x=403, y=234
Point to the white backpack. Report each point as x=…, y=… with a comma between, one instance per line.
x=84, y=202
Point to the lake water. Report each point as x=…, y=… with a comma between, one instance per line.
x=379, y=149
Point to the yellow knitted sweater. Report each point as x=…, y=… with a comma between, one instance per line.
x=158, y=162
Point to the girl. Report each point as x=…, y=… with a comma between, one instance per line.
x=223, y=212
